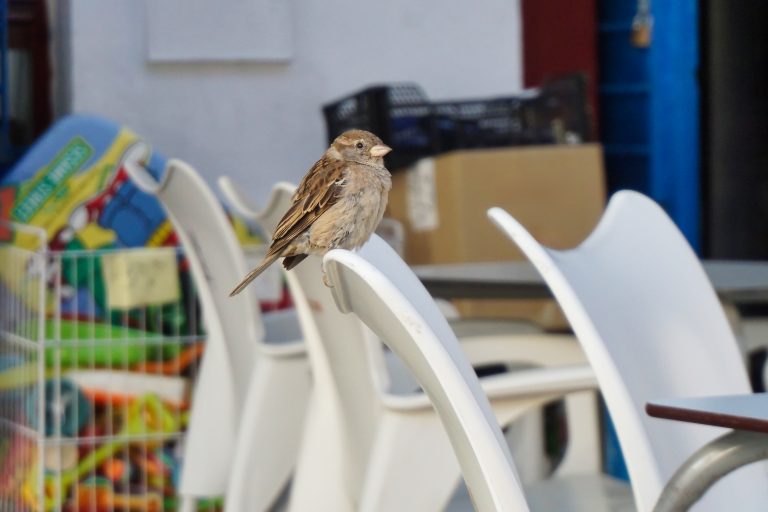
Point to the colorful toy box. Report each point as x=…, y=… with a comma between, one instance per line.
x=72, y=183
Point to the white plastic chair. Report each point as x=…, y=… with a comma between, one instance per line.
x=403, y=315
x=254, y=372
x=652, y=327
x=371, y=446
x=243, y=478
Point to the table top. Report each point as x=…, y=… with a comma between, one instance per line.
x=740, y=412
x=736, y=281
x=739, y=281
x=508, y=279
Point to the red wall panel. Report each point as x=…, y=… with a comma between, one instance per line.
x=559, y=37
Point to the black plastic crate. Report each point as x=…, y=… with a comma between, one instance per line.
x=403, y=117
x=478, y=123
x=400, y=114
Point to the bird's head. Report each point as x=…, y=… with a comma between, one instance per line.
x=360, y=146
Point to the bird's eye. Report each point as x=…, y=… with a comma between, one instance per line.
x=359, y=145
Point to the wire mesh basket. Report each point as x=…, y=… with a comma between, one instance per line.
x=98, y=350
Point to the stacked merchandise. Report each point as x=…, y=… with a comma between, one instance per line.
x=100, y=334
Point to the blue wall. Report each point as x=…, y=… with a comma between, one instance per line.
x=649, y=107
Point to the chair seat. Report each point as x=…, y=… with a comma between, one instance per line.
x=593, y=493
x=596, y=493
x=281, y=326
x=282, y=335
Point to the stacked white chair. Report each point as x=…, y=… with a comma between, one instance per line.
x=391, y=475
x=254, y=373
x=369, y=446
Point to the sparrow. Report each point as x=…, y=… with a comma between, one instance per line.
x=337, y=205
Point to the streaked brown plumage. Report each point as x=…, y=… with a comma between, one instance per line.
x=338, y=204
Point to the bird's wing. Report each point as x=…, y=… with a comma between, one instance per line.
x=317, y=192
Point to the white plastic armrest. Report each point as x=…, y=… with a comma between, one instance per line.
x=540, y=349
x=559, y=380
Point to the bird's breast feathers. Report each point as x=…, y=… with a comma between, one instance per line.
x=349, y=223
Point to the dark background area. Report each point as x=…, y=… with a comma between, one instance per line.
x=734, y=80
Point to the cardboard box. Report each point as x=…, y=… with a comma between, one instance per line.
x=557, y=192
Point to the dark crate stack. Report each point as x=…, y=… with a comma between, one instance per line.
x=478, y=123
x=405, y=119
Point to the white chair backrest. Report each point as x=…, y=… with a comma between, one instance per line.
x=199, y=217
x=385, y=294
x=233, y=324
x=268, y=217
x=652, y=327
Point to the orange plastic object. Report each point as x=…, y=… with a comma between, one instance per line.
x=98, y=498
x=175, y=366
x=114, y=469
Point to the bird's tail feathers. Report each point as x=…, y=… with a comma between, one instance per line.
x=253, y=274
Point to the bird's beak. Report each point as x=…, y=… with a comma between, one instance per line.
x=380, y=150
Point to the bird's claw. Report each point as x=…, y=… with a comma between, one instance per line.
x=325, y=280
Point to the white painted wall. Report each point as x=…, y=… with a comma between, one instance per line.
x=261, y=122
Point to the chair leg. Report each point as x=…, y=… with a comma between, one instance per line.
x=525, y=437
x=318, y=482
x=582, y=454
x=412, y=465
x=215, y=415
x=188, y=504
x=269, y=433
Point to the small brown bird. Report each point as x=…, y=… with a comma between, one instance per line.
x=338, y=204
